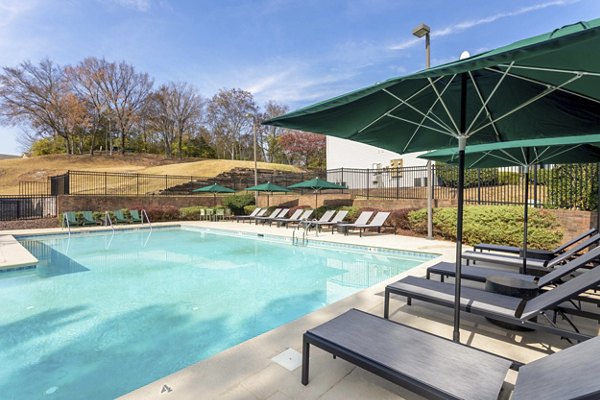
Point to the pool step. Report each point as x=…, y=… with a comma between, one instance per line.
x=13, y=255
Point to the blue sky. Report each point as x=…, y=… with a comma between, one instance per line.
x=295, y=52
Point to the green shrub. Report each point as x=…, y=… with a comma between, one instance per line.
x=492, y=224
x=237, y=202
x=448, y=175
x=509, y=178
x=190, y=213
x=163, y=213
x=399, y=219
x=248, y=209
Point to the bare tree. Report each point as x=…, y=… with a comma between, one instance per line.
x=125, y=92
x=230, y=117
x=37, y=97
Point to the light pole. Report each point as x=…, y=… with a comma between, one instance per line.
x=420, y=31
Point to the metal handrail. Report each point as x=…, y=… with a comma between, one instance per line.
x=108, y=220
x=143, y=212
x=65, y=219
x=295, y=241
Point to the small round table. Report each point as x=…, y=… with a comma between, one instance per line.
x=511, y=286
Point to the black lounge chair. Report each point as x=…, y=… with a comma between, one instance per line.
x=295, y=215
x=337, y=219
x=277, y=213
x=258, y=212
x=537, y=265
x=534, y=253
x=403, y=355
x=376, y=223
x=326, y=217
x=362, y=219
x=286, y=221
x=480, y=274
x=437, y=368
x=507, y=309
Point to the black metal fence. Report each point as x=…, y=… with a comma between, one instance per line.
x=26, y=207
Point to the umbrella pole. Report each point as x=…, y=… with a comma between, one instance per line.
x=462, y=141
x=598, y=201
x=214, y=200
x=525, y=219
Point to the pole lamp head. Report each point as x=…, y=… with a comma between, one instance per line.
x=421, y=30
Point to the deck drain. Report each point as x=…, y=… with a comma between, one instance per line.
x=289, y=359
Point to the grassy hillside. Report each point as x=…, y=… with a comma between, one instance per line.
x=39, y=168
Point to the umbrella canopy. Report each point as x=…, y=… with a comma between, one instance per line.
x=317, y=185
x=269, y=188
x=525, y=153
x=544, y=86
x=214, y=189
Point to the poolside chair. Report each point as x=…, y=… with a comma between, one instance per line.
x=506, y=309
x=88, y=218
x=437, y=368
x=120, y=217
x=303, y=217
x=70, y=218
x=258, y=212
x=338, y=218
x=294, y=216
x=275, y=214
x=219, y=214
x=135, y=216
x=362, y=219
x=534, y=253
x=536, y=265
x=377, y=222
x=480, y=274
x=326, y=217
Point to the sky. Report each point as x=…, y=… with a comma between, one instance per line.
x=295, y=52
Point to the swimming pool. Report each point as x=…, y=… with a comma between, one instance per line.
x=105, y=314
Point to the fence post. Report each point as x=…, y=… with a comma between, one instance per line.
x=368, y=182
x=342, y=178
x=478, y=186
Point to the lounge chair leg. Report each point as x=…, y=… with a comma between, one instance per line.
x=386, y=304
x=305, y=360
x=441, y=278
x=427, y=275
x=409, y=301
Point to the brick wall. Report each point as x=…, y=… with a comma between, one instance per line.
x=103, y=203
x=292, y=200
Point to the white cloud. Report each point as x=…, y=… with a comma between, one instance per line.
x=138, y=5
x=11, y=10
x=463, y=26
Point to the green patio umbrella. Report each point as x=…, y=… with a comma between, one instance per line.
x=317, y=185
x=525, y=153
x=268, y=188
x=544, y=86
x=214, y=189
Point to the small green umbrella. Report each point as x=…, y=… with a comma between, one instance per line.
x=525, y=153
x=317, y=185
x=214, y=189
x=269, y=188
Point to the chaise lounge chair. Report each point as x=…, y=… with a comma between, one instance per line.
x=337, y=219
x=88, y=218
x=120, y=217
x=507, y=309
x=277, y=213
x=70, y=218
x=534, y=253
x=302, y=217
x=539, y=265
x=295, y=215
x=480, y=274
x=377, y=222
x=437, y=368
x=136, y=218
x=326, y=217
x=362, y=219
x=257, y=212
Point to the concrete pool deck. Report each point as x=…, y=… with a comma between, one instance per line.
x=246, y=371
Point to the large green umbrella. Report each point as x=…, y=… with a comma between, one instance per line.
x=214, y=189
x=317, y=185
x=525, y=153
x=545, y=86
x=268, y=188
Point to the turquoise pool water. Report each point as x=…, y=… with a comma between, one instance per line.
x=102, y=315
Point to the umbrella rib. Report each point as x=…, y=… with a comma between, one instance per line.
x=509, y=157
x=420, y=125
x=546, y=92
x=485, y=103
x=485, y=154
x=444, y=104
x=393, y=108
x=441, y=124
x=545, y=84
x=564, y=71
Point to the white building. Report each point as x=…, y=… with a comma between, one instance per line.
x=386, y=168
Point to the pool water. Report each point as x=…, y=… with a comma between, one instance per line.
x=105, y=314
